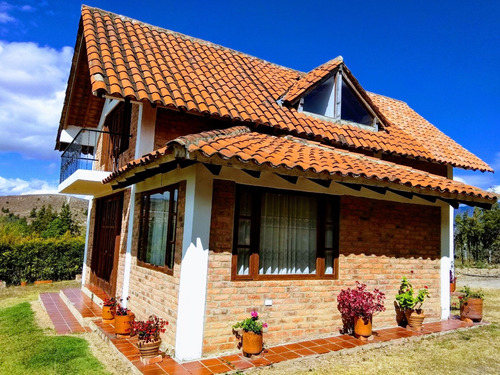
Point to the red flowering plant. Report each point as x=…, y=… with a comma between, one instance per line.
x=120, y=309
x=359, y=302
x=406, y=298
x=110, y=302
x=150, y=329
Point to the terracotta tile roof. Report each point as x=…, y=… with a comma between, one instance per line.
x=240, y=145
x=131, y=59
x=311, y=79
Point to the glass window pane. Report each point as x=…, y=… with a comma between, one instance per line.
x=244, y=232
x=288, y=234
x=243, y=261
x=321, y=100
x=158, y=225
x=328, y=262
x=245, y=203
x=329, y=236
x=352, y=109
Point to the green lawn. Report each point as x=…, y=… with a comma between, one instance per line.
x=27, y=349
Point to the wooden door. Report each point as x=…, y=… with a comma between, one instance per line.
x=106, y=248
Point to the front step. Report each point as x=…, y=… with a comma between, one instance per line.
x=80, y=305
x=60, y=315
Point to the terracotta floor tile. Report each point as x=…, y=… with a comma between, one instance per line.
x=275, y=358
x=154, y=371
x=242, y=365
x=308, y=344
x=319, y=349
x=293, y=346
x=200, y=371
x=290, y=355
x=304, y=352
x=217, y=369
x=260, y=362
x=278, y=349
x=230, y=358
x=192, y=365
x=211, y=362
x=332, y=347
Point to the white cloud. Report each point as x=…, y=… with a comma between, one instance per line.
x=495, y=189
x=32, y=87
x=17, y=186
x=5, y=18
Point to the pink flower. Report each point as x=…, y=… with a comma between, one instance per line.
x=254, y=314
x=264, y=325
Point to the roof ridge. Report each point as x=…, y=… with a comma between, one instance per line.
x=184, y=36
x=194, y=139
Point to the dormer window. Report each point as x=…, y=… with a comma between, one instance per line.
x=336, y=99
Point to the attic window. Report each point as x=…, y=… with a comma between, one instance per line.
x=336, y=99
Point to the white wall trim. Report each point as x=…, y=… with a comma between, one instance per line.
x=194, y=266
x=128, y=254
x=108, y=106
x=87, y=235
x=446, y=258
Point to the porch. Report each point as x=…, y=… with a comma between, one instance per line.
x=74, y=311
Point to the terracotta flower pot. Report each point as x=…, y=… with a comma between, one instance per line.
x=415, y=319
x=24, y=283
x=362, y=327
x=149, y=349
x=122, y=324
x=108, y=312
x=453, y=285
x=472, y=309
x=252, y=343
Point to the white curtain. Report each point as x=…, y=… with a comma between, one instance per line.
x=158, y=225
x=288, y=234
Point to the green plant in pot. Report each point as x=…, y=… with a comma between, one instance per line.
x=357, y=307
x=411, y=303
x=471, y=304
x=251, y=339
x=148, y=333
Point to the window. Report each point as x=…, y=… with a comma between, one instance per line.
x=336, y=99
x=280, y=234
x=158, y=225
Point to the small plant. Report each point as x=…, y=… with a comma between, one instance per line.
x=110, y=302
x=150, y=329
x=468, y=293
x=406, y=298
x=359, y=302
x=120, y=310
x=251, y=324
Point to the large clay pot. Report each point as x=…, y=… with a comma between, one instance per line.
x=252, y=343
x=149, y=349
x=122, y=324
x=362, y=327
x=472, y=309
x=415, y=319
x=108, y=312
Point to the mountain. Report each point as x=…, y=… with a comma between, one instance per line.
x=23, y=204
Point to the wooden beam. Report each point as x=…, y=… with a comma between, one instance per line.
x=291, y=179
x=376, y=189
x=404, y=194
x=213, y=168
x=350, y=186
x=324, y=183
x=428, y=198
x=255, y=174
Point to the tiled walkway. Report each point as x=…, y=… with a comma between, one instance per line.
x=270, y=355
x=62, y=318
x=85, y=306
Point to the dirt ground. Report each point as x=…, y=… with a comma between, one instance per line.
x=478, y=278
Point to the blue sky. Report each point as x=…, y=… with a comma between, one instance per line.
x=442, y=58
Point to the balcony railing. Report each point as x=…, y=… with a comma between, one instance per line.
x=81, y=152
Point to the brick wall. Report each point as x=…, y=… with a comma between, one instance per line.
x=151, y=291
x=379, y=243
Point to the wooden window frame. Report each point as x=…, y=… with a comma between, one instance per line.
x=169, y=260
x=253, y=274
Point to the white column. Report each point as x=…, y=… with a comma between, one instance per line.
x=87, y=234
x=194, y=267
x=446, y=258
x=128, y=253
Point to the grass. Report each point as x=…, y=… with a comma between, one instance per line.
x=472, y=351
x=27, y=349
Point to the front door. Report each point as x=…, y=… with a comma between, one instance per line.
x=106, y=248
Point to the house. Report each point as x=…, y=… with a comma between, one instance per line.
x=223, y=183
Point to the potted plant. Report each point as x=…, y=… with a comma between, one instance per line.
x=252, y=334
x=109, y=308
x=357, y=307
x=123, y=318
x=412, y=304
x=148, y=333
x=471, y=304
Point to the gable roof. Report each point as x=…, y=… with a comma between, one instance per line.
x=130, y=59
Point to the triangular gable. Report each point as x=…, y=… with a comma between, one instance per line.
x=331, y=91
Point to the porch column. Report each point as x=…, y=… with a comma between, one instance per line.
x=446, y=258
x=87, y=235
x=194, y=266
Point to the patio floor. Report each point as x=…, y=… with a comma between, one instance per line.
x=229, y=363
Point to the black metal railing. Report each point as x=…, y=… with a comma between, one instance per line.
x=81, y=152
